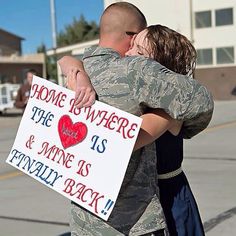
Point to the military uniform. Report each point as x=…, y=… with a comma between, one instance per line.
x=132, y=84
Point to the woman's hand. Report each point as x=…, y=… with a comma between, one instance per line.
x=78, y=81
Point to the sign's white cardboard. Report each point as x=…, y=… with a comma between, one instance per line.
x=81, y=153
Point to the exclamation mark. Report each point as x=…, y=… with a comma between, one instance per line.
x=107, y=207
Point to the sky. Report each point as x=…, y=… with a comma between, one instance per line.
x=31, y=19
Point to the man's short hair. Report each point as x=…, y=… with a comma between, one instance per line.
x=130, y=7
x=127, y=9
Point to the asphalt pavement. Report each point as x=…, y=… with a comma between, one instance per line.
x=210, y=164
x=28, y=208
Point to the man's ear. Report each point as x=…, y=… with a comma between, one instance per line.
x=132, y=38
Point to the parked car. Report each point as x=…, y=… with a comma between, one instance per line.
x=8, y=94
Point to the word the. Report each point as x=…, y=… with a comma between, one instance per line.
x=41, y=115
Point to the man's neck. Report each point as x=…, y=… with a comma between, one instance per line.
x=109, y=44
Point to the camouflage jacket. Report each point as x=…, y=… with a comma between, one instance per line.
x=150, y=84
x=132, y=84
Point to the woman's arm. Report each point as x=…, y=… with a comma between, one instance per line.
x=155, y=123
x=78, y=81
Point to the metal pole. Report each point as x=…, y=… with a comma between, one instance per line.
x=191, y=21
x=54, y=28
x=54, y=40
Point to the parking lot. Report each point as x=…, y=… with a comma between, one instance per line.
x=28, y=208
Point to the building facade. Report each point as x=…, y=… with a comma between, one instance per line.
x=211, y=27
x=10, y=44
x=214, y=37
x=13, y=65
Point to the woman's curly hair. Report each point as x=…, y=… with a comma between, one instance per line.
x=171, y=49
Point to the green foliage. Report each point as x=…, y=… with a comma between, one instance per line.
x=51, y=63
x=77, y=32
x=41, y=48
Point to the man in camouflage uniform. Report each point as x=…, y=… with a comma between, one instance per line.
x=133, y=84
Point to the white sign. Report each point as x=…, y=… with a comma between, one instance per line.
x=81, y=153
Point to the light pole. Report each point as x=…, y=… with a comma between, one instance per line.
x=54, y=41
x=53, y=21
x=191, y=21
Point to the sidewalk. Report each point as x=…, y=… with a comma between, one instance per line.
x=224, y=112
x=210, y=164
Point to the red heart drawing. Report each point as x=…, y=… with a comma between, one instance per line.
x=71, y=134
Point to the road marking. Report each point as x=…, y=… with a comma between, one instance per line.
x=34, y=220
x=212, y=223
x=211, y=158
x=11, y=175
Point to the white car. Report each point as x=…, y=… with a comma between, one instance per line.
x=8, y=94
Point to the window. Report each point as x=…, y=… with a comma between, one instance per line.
x=4, y=95
x=203, y=19
x=225, y=55
x=204, y=56
x=224, y=17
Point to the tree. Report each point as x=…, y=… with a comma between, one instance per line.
x=77, y=32
x=51, y=64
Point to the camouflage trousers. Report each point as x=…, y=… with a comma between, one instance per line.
x=82, y=224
